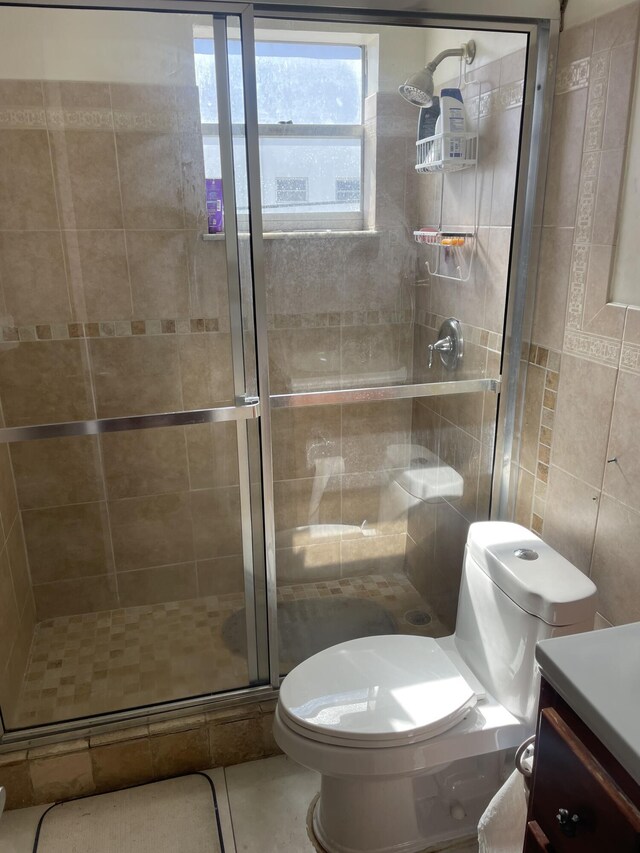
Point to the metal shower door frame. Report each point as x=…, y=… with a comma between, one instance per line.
x=542, y=32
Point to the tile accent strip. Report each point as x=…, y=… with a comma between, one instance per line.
x=573, y=76
x=550, y=361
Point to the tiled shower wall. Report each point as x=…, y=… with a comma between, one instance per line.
x=341, y=315
x=461, y=429
x=112, y=305
x=17, y=612
x=579, y=459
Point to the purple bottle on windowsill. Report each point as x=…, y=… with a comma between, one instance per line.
x=215, y=207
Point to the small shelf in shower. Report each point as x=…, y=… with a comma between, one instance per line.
x=447, y=152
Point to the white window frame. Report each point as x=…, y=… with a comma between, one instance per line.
x=302, y=221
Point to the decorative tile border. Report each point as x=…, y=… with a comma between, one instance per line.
x=496, y=100
x=471, y=334
x=339, y=318
x=54, y=118
x=593, y=347
x=573, y=76
x=108, y=329
x=549, y=360
x=630, y=358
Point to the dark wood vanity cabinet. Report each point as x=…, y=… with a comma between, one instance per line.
x=582, y=800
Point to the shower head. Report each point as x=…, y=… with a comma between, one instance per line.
x=418, y=88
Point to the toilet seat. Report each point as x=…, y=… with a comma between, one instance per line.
x=376, y=692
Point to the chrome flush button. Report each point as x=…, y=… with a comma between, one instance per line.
x=526, y=554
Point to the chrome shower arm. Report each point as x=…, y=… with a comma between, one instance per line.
x=468, y=51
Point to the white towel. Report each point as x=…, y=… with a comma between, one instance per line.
x=502, y=826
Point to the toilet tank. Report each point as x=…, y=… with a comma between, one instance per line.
x=515, y=591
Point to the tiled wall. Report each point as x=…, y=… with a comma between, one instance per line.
x=118, y=759
x=113, y=305
x=584, y=366
x=461, y=429
x=341, y=314
x=17, y=611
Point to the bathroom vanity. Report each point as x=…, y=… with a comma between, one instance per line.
x=585, y=796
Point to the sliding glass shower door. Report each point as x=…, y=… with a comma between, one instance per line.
x=127, y=377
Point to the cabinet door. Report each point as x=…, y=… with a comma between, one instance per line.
x=535, y=840
x=569, y=781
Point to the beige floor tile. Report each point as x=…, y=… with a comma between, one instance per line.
x=269, y=800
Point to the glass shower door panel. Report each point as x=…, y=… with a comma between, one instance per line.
x=114, y=304
x=135, y=590
x=372, y=505
x=129, y=518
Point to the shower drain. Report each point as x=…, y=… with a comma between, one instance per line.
x=417, y=617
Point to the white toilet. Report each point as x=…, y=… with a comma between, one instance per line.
x=412, y=736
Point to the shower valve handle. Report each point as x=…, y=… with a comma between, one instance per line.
x=443, y=345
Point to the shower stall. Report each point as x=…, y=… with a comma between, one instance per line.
x=237, y=427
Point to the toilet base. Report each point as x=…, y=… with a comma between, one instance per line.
x=435, y=811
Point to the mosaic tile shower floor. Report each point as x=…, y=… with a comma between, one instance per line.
x=99, y=662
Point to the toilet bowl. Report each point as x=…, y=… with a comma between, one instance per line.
x=412, y=736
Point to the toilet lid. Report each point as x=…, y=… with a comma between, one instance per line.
x=392, y=688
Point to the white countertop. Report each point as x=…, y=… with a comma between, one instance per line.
x=598, y=675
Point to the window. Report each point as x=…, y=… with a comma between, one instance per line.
x=292, y=190
x=310, y=114
x=348, y=189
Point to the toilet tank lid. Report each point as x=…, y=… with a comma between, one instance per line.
x=532, y=573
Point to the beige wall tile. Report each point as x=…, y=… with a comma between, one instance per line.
x=10, y=618
x=615, y=28
x=82, y=595
x=495, y=279
x=621, y=77
x=145, y=462
x=615, y=562
x=579, y=438
x=504, y=180
x=235, y=742
x=524, y=498
x=608, y=194
x=208, y=273
x=16, y=780
x=151, y=531
x=14, y=672
x=44, y=382
x=33, y=277
x=213, y=455
x=461, y=452
x=159, y=273
x=137, y=375
x=57, y=471
x=8, y=500
x=220, y=576
x=575, y=43
x=308, y=563
x=304, y=359
x=372, y=501
x=86, y=176
x=216, y=522
x=301, y=505
x=154, y=586
x=368, y=430
x=373, y=355
x=565, y=158
x=382, y=554
x=451, y=537
x=150, y=179
x=76, y=93
x=21, y=93
x=181, y=752
x=205, y=368
x=192, y=170
x=62, y=777
x=552, y=287
x=532, y=415
x=67, y=542
x=27, y=180
x=600, y=317
x=570, y=517
x=98, y=274
x=121, y=765
x=302, y=438
x=17, y=554
x=622, y=478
